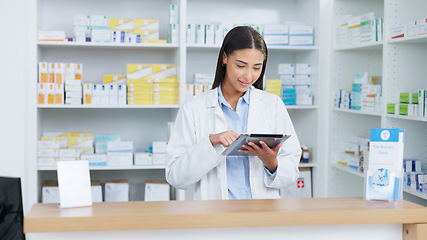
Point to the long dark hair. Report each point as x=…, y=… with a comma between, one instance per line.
x=241, y=37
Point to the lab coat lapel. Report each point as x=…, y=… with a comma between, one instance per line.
x=220, y=125
x=255, y=110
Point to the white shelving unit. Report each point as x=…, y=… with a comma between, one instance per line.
x=144, y=124
x=399, y=62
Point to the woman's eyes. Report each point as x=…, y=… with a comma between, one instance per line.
x=242, y=66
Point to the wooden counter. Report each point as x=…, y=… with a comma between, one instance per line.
x=120, y=216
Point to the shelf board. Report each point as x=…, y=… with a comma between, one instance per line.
x=368, y=46
x=413, y=39
x=411, y=118
x=102, y=168
x=106, y=45
x=415, y=192
x=285, y=48
x=312, y=107
x=348, y=170
x=307, y=165
x=377, y=114
x=82, y=106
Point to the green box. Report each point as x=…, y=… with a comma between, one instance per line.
x=404, y=97
x=403, y=109
x=415, y=98
x=391, y=108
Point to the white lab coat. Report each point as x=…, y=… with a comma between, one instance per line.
x=195, y=165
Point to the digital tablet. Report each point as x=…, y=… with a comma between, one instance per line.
x=270, y=139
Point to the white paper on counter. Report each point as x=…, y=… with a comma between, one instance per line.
x=74, y=184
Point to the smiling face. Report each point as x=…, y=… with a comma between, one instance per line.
x=243, y=68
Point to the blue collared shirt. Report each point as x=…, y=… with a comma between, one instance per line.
x=238, y=166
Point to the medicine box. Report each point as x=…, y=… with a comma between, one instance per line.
x=286, y=68
x=191, y=33
x=157, y=191
x=117, y=191
x=143, y=158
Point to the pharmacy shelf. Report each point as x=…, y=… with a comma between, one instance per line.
x=312, y=107
x=348, y=170
x=102, y=168
x=414, y=39
x=286, y=48
x=65, y=106
x=156, y=46
x=377, y=114
x=410, y=118
x=415, y=192
x=368, y=47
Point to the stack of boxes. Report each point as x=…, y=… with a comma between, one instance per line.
x=303, y=84
x=356, y=30
x=414, y=177
x=301, y=35
x=410, y=104
x=152, y=84
x=296, y=84
x=159, y=153
x=174, y=24
x=82, y=141
x=93, y=28
x=73, y=83
x=276, y=34
x=104, y=94
x=120, y=153
x=365, y=94
x=202, y=83
x=126, y=30
x=47, y=152
x=355, y=154
x=413, y=28
x=206, y=33
x=367, y=28
x=287, y=78
x=273, y=86
x=50, y=89
x=63, y=147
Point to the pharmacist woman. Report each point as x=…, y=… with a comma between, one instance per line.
x=207, y=124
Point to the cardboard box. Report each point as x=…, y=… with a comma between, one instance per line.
x=157, y=191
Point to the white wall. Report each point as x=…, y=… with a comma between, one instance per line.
x=14, y=72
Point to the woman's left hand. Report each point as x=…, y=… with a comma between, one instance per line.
x=267, y=155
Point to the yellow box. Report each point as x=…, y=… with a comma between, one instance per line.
x=43, y=72
x=121, y=23
x=166, y=94
x=139, y=71
x=79, y=134
x=165, y=89
x=59, y=72
x=50, y=91
x=154, y=80
x=140, y=102
x=114, y=79
x=41, y=93
x=155, y=41
x=140, y=87
x=51, y=71
x=165, y=85
x=146, y=24
x=164, y=71
x=80, y=142
x=59, y=93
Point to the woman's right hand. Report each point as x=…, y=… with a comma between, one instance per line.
x=223, y=138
